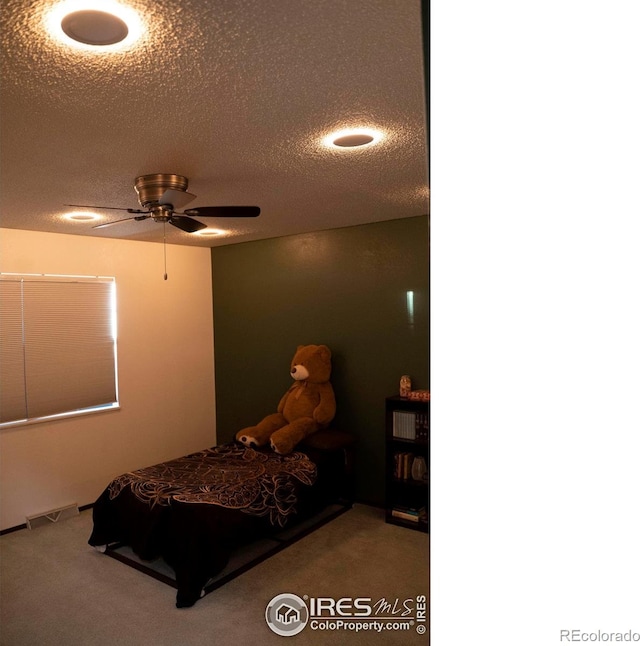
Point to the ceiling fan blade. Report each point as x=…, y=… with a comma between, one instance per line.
x=113, y=208
x=177, y=199
x=108, y=224
x=186, y=224
x=224, y=212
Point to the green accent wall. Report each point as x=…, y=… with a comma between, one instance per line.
x=347, y=288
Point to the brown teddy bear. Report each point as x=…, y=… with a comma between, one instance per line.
x=308, y=406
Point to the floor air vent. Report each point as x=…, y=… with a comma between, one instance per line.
x=52, y=516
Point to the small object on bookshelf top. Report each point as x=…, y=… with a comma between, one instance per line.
x=405, y=386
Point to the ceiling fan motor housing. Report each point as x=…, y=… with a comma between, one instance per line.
x=150, y=188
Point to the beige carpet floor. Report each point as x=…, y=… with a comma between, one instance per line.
x=56, y=590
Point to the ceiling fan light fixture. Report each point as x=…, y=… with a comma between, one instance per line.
x=152, y=188
x=92, y=24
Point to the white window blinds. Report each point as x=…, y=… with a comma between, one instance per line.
x=57, y=346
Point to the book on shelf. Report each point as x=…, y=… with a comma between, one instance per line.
x=404, y=424
x=408, y=425
x=412, y=514
x=402, y=463
x=422, y=427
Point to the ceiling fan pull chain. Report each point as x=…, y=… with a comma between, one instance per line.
x=164, y=246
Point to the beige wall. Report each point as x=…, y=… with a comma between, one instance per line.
x=165, y=370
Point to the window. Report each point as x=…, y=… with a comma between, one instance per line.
x=57, y=346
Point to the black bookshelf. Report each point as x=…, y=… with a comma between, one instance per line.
x=407, y=440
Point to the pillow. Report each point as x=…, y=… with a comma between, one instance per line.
x=329, y=440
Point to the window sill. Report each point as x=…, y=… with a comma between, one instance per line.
x=53, y=418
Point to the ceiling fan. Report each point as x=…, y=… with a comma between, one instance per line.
x=159, y=194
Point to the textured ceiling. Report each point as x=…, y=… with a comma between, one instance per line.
x=236, y=95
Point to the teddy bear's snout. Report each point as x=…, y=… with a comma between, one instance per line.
x=249, y=442
x=299, y=372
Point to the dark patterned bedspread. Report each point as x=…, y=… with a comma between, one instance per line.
x=195, y=510
x=231, y=476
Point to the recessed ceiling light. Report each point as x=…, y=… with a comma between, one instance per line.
x=210, y=232
x=81, y=216
x=353, y=138
x=350, y=141
x=94, y=27
x=94, y=24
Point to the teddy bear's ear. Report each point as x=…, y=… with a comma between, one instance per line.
x=324, y=351
x=299, y=348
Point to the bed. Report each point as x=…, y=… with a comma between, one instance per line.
x=193, y=512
